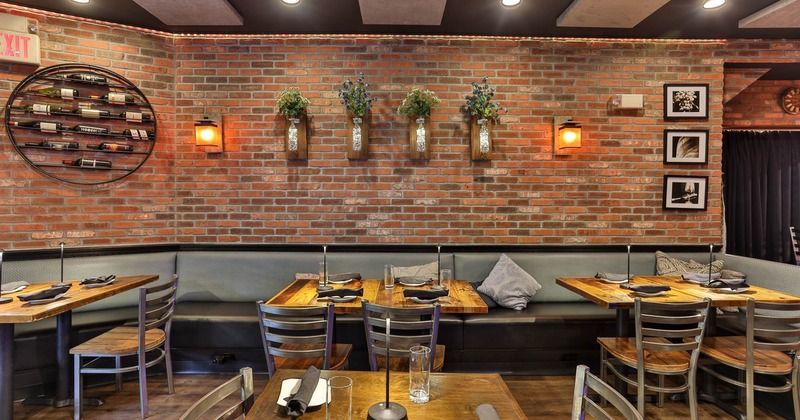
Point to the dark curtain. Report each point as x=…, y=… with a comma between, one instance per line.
x=761, y=188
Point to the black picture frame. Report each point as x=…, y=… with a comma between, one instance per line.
x=685, y=146
x=685, y=192
x=685, y=101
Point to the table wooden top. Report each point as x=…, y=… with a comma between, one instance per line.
x=453, y=395
x=303, y=292
x=612, y=296
x=77, y=295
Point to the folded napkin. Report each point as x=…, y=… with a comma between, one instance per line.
x=732, y=284
x=341, y=292
x=612, y=276
x=731, y=274
x=52, y=292
x=297, y=403
x=647, y=288
x=425, y=294
x=98, y=280
x=13, y=285
x=700, y=276
x=344, y=276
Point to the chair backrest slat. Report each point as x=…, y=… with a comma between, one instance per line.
x=162, y=317
x=305, y=332
x=776, y=329
x=409, y=327
x=582, y=404
x=242, y=383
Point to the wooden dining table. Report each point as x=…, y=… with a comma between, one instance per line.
x=453, y=395
x=462, y=297
x=18, y=311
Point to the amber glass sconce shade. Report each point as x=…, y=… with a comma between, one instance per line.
x=566, y=135
x=208, y=134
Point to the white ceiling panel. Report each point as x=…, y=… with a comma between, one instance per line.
x=193, y=12
x=608, y=13
x=402, y=12
x=782, y=14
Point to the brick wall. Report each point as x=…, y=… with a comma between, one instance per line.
x=610, y=191
x=759, y=106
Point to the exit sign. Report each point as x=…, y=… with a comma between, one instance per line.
x=17, y=45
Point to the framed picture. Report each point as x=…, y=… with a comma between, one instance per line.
x=685, y=146
x=685, y=101
x=685, y=192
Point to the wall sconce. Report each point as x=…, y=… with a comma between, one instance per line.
x=208, y=134
x=566, y=135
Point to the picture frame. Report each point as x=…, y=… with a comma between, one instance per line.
x=685, y=101
x=685, y=146
x=685, y=192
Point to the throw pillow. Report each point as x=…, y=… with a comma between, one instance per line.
x=490, y=303
x=429, y=271
x=509, y=285
x=669, y=266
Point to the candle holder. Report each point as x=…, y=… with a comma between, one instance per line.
x=710, y=259
x=628, y=273
x=324, y=286
x=61, y=244
x=3, y=299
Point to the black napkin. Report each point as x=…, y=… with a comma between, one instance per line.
x=612, y=276
x=53, y=291
x=341, y=292
x=344, y=276
x=425, y=294
x=98, y=280
x=647, y=288
x=13, y=285
x=297, y=403
x=732, y=284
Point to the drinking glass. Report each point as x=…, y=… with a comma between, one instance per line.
x=446, y=274
x=321, y=273
x=419, y=374
x=388, y=276
x=339, y=404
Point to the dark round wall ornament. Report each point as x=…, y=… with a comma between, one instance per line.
x=790, y=100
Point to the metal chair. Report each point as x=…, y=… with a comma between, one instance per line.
x=413, y=326
x=296, y=338
x=582, y=404
x=667, y=343
x=242, y=383
x=795, y=246
x=768, y=349
x=151, y=336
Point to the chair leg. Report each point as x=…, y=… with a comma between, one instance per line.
x=143, y=385
x=78, y=386
x=750, y=403
x=603, y=373
x=170, y=386
x=692, y=395
x=660, y=400
x=119, y=375
x=640, y=381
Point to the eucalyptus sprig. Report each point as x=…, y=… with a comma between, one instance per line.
x=355, y=97
x=418, y=103
x=291, y=103
x=480, y=102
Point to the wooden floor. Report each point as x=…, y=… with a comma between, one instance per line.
x=539, y=397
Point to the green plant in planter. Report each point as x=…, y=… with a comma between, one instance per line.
x=480, y=102
x=291, y=103
x=418, y=103
x=355, y=98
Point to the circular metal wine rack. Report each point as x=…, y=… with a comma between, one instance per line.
x=81, y=124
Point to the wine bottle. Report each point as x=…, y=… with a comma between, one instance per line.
x=48, y=127
x=88, y=163
x=64, y=93
x=87, y=77
x=44, y=109
x=91, y=113
x=135, y=116
x=56, y=145
x=139, y=134
x=113, y=147
x=118, y=98
x=83, y=128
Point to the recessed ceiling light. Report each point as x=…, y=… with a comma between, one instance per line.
x=712, y=4
x=509, y=3
x=81, y=1
x=291, y=1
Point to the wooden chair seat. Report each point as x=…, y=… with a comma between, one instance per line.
x=339, y=355
x=120, y=341
x=400, y=364
x=624, y=349
x=732, y=352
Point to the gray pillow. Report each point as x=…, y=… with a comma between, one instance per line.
x=509, y=285
x=427, y=271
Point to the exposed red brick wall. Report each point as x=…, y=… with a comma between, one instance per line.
x=610, y=191
x=758, y=106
